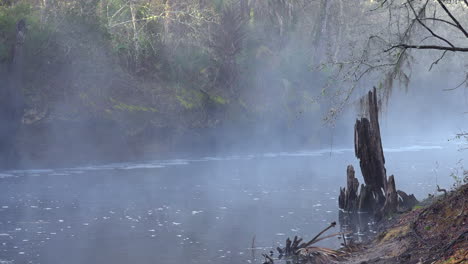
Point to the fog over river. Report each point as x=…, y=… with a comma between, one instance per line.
x=205, y=210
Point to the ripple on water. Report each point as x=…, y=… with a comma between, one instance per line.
x=5, y=175
x=143, y=166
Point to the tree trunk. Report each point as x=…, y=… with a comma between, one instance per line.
x=136, y=42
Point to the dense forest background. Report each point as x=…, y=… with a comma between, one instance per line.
x=124, y=78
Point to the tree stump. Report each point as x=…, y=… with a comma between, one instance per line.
x=405, y=201
x=368, y=148
x=377, y=195
x=366, y=200
x=348, y=198
x=391, y=198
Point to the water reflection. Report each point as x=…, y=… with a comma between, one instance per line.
x=359, y=227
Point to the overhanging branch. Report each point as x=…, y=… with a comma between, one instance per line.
x=453, y=18
x=428, y=47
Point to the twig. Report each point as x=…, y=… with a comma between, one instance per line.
x=333, y=224
x=437, y=61
x=268, y=259
x=440, y=20
x=442, y=190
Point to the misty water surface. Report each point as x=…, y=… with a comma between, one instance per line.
x=205, y=210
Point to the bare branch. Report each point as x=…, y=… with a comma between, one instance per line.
x=453, y=18
x=424, y=25
x=428, y=47
x=440, y=20
x=437, y=61
x=458, y=86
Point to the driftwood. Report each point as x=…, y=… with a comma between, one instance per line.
x=377, y=195
x=294, y=247
x=306, y=252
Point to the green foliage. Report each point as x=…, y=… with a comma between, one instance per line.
x=189, y=99
x=210, y=62
x=9, y=16
x=218, y=99
x=117, y=105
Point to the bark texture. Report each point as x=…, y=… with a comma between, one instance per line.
x=368, y=148
x=378, y=195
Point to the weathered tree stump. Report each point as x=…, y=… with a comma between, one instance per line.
x=391, y=197
x=366, y=200
x=368, y=148
x=405, y=201
x=348, y=198
x=378, y=195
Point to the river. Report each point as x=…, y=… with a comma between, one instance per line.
x=203, y=210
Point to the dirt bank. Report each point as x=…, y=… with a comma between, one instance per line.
x=435, y=233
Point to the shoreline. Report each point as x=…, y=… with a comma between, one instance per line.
x=434, y=232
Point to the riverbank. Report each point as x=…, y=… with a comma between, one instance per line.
x=435, y=232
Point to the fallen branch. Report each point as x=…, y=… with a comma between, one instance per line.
x=333, y=224
x=268, y=259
